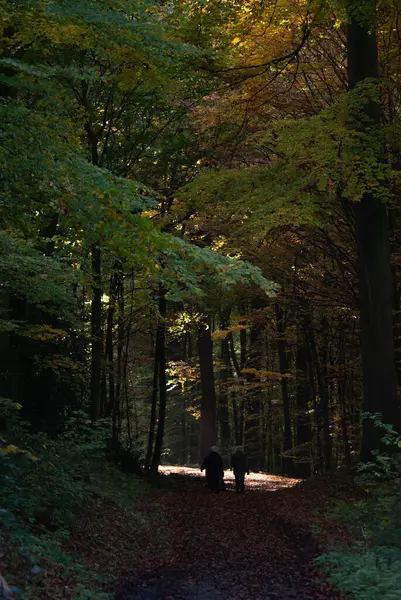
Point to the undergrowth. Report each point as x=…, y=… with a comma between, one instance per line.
x=371, y=569
x=47, y=485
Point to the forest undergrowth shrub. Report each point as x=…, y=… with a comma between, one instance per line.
x=47, y=485
x=371, y=569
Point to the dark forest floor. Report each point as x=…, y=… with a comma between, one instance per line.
x=257, y=545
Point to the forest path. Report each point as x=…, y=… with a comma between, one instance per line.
x=231, y=546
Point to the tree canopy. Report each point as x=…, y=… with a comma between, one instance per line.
x=200, y=229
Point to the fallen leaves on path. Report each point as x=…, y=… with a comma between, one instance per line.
x=182, y=542
x=256, y=545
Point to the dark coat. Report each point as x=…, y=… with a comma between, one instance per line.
x=239, y=463
x=213, y=465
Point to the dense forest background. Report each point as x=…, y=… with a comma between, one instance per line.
x=200, y=225
x=200, y=243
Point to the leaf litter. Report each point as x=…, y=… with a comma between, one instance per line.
x=228, y=546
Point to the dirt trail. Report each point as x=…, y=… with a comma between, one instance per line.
x=231, y=546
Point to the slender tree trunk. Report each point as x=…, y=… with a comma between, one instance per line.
x=127, y=346
x=96, y=308
x=184, y=436
x=96, y=333
x=237, y=412
x=224, y=375
x=162, y=382
x=153, y=409
x=270, y=445
x=252, y=432
x=322, y=373
x=208, y=401
x=243, y=359
x=120, y=355
x=372, y=229
x=342, y=399
x=109, y=353
x=323, y=406
x=303, y=424
x=109, y=349
x=187, y=421
x=159, y=345
x=313, y=392
x=284, y=369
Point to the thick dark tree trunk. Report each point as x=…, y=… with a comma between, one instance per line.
x=96, y=333
x=284, y=369
x=208, y=401
x=372, y=229
x=162, y=382
x=396, y=272
x=153, y=409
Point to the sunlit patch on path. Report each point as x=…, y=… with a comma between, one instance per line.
x=255, y=481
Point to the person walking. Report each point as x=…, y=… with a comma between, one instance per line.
x=239, y=464
x=213, y=465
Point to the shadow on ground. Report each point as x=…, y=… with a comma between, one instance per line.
x=230, y=546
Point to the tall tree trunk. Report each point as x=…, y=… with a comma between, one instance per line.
x=125, y=372
x=243, y=359
x=342, y=398
x=159, y=349
x=208, y=401
x=96, y=333
x=96, y=308
x=322, y=408
x=184, y=436
x=120, y=353
x=187, y=423
x=395, y=270
x=162, y=382
x=109, y=350
x=236, y=412
x=309, y=333
x=372, y=230
x=224, y=376
x=303, y=424
x=284, y=369
x=252, y=430
x=270, y=445
x=153, y=408
x=322, y=373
